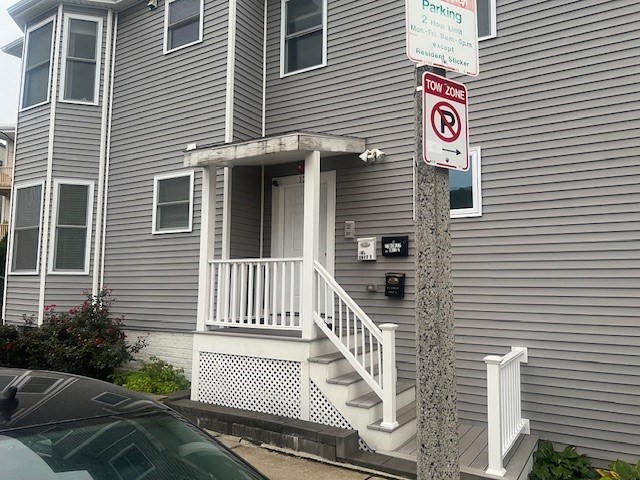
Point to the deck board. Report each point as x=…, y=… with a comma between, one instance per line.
x=473, y=452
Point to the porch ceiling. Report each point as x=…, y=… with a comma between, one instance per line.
x=286, y=148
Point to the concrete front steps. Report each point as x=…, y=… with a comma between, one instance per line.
x=359, y=405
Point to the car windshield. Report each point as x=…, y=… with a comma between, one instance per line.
x=157, y=446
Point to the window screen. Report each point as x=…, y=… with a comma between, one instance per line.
x=71, y=227
x=81, y=60
x=37, y=66
x=486, y=18
x=27, y=228
x=465, y=194
x=173, y=204
x=183, y=23
x=304, y=34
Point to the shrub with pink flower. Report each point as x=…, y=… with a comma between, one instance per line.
x=84, y=340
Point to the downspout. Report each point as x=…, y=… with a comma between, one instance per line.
x=108, y=155
x=228, y=127
x=264, y=77
x=47, y=195
x=231, y=61
x=102, y=161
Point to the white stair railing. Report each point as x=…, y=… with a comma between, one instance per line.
x=371, y=350
x=256, y=293
x=504, y=409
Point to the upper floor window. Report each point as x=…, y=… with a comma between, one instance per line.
x=486, y=19
x=73, y=208
x=27, y=214
x=172, y=202
x=81, y=62
x=303, y=43
x=182, y=24
x=465, y=188
x=37, y=64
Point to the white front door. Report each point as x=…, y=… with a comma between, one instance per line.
x=288, y=215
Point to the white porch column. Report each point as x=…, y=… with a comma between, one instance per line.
x=310, y=241
x=207, y=227
x=207, y=235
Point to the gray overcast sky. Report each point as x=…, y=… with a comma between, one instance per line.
x=9, y=66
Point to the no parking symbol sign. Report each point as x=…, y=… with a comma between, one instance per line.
x=445, y=141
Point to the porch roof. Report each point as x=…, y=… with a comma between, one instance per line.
x=290, y=147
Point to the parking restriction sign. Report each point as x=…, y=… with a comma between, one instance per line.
x=445, y=140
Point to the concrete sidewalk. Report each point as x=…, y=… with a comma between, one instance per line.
x=281, y=464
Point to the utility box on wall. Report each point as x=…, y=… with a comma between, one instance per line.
x=395, y=246
x=394, y=285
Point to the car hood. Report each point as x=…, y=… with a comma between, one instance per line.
x=45, y=397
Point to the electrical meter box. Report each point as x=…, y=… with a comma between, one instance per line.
x=367, y=248
x=394, y=285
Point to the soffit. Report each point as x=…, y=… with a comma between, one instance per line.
x=25, y=10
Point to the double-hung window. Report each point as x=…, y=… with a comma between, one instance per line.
x=81, y=63
x=182, y=24
x=303, y=44
x=73, y=209
x=465, y=188
x=27, y=218
x=486, y=11
x=37, y=64
x=172, y=203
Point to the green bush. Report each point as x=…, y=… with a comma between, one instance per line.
x=158, y=377
x=85, y=340
x=620, y=470
x=565, y=465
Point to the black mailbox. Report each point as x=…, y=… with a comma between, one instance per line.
x=394, y=285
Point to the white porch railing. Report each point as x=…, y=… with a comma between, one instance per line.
x=370, y=350
x=504, y=410
x=256, y=293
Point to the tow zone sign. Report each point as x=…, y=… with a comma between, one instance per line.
x=445, y=138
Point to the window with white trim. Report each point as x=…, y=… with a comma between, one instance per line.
x=182, y=24
x=27, y=218
x=486, y=19
x=465, y=188
x=37, y=64
x=172, y=203
x=81, y=62
x=303, y=35
x=73, y=208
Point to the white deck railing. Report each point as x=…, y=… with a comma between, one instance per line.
x=370, y=349
x=504, y=410
x=256, y=293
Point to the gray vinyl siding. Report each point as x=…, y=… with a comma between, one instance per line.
x=553, y=263
x=30, y=166
x=247, y=109
x=245, y=212
x=365, y=90
x=161, y=104
x=76, y=156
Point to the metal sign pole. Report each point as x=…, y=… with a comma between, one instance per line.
x=437, y=414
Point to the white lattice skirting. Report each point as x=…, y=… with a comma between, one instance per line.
x=250, y=383
x=322, y=411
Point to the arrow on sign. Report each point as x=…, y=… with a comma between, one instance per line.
x=456, y=151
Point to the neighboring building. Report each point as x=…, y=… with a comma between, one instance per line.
x=155, y=156
x=7, y=137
